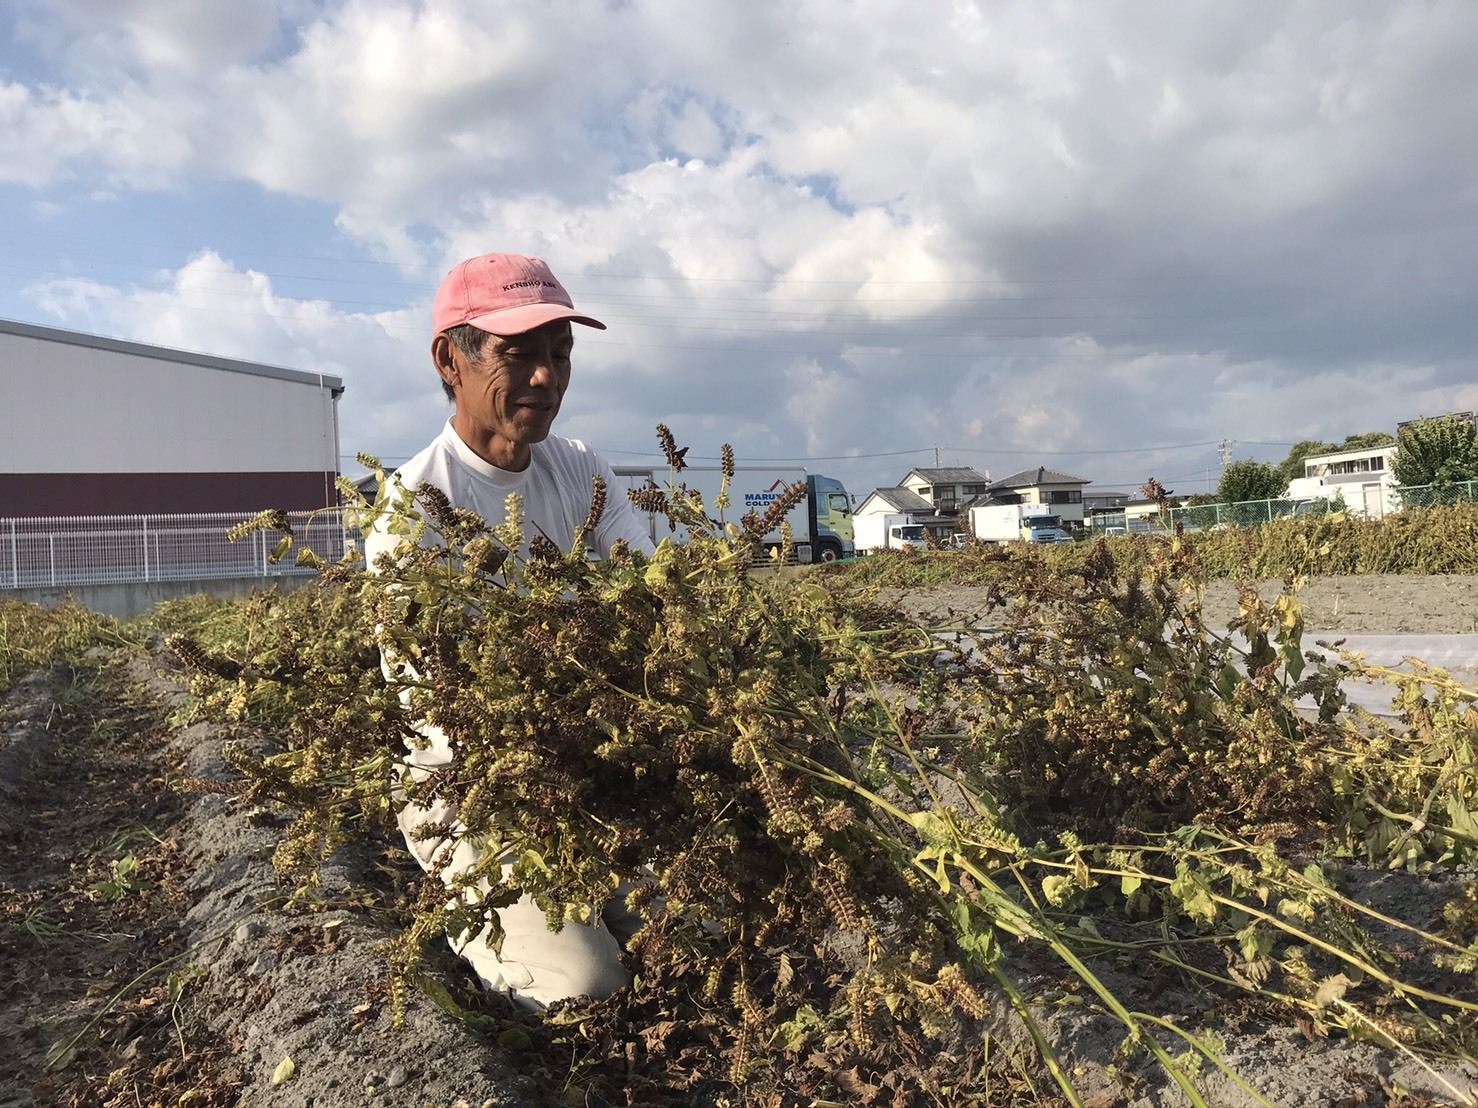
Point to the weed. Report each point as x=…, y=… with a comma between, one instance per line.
x=123, y=880
x=1102, y=775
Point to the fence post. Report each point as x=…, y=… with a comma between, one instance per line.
x=15, y=559
x=51, y=546
x=145, y=525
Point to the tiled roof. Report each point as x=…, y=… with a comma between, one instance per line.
x=903, y=500
x=1039, y=476
x=959, y=475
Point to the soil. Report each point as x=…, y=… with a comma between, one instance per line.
x=184, y=978
x=1375, y=604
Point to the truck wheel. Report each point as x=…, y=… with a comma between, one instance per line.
x=828, y=552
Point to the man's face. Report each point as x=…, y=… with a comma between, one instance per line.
x=508, y=397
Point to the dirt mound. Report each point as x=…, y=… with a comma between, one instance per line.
x=178, y=977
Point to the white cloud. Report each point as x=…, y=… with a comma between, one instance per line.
x=819, y=228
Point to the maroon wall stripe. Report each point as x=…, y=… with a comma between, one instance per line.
x=96, y=494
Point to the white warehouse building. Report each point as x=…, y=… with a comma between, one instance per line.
x=94, y=426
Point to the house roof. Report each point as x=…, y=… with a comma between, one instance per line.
x=167, y=354
x=958, y=475
x=903, y=500
x=1039, y=476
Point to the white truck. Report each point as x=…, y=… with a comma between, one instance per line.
x=1034, y=523
x=820, y=525
x=887, y=531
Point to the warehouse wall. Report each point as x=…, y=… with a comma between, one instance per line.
x=101, y=427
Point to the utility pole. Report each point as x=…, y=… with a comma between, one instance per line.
x=1226, y=453
x=936, y=457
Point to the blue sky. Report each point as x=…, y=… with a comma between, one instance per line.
x=1097, y=237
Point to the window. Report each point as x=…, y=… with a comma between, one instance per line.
x=1377, y=464
x=837, y=502
x=1065, y=496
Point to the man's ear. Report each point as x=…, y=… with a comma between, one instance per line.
x=443, y=358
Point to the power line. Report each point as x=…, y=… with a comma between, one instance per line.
x=1008, y=451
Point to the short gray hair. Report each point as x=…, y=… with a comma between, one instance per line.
x=470, y=341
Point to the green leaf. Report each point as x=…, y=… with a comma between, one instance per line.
x=514, y=1038
x=974, y=933
x=1293, y=660
x=440, y=996
x=280, y=551
x=61, y=1054
x=1194, y=895
x=792, y=1035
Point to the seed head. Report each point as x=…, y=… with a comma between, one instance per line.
x=273, y=519
x=437, y=504
x=675, y=458
x=649, y=499
x=597, y=503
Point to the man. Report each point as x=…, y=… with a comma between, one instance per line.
x=502, y=346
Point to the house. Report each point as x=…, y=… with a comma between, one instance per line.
x=1361, y=478
x=94, y=426
x=894, y=501
x=1095, y=502
x=1063, y=491
x=946, y=489
x=904, y=501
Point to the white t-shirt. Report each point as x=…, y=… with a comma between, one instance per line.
x=556, y=488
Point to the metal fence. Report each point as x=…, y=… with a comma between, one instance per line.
x=1430, y=496
x=1254, y=513
x=93, y=550
x=1246, y=513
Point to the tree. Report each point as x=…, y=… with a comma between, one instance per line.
x=1437, y=451
x=1368, y=441
x=1249, y=480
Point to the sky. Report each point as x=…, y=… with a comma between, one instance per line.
x=859, y=236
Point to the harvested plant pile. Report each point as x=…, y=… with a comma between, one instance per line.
x=854, y=839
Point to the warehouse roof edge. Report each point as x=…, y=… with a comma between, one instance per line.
x=165, y=353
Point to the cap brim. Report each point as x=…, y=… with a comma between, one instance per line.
x=525, y=317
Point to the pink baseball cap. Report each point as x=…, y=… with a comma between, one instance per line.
x=503, y=294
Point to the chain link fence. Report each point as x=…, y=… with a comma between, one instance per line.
x=1254, y=513
x=1430, y=496
x=95, y=550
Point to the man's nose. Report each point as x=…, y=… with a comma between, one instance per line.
x=543, y=371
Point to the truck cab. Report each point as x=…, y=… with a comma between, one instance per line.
x=830, y=509
x=910, y=535
x=1043, y=528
